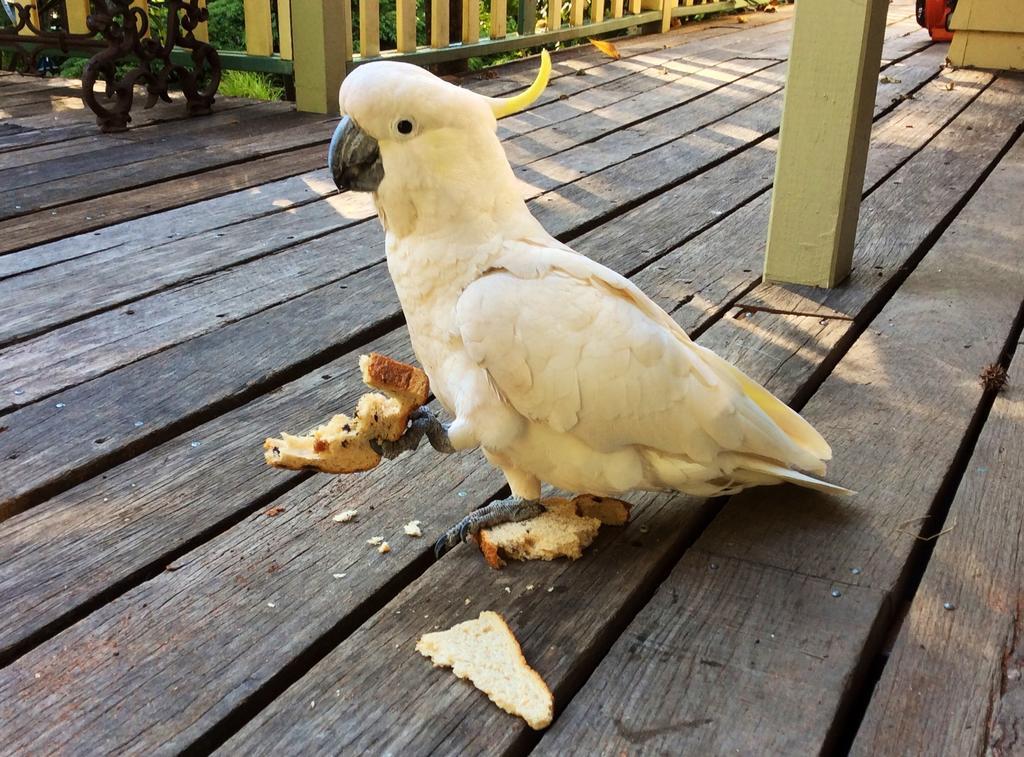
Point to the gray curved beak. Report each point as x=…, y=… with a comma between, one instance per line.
x=354, y=158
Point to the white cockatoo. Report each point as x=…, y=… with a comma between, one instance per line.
x=561, y=370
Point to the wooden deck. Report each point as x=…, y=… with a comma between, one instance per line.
x=172, y=295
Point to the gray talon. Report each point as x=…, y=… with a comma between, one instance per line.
x=500, y=511
x=422, y=423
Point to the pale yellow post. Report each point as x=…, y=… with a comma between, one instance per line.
x=576, y=8
x=405, y=26
x=369, y=28
x=617, y=8
x=554, y=17
x=438, y=23
x=77, y=11
x=988, y=34
x=202, y=30
x=470, y=21
x=666, y=14
x=635, y=6
x=823, y=144
x=284, y=28
x=596, y=11
x=259, y=38
x=499, y=19
x=322, y=39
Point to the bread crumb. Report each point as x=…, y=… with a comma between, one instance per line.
x=467, y=601
x=529, y=587
x=345, y=516
x=551, y=589
x=375, y=541
x=271, y=604
x=340, y=575
x=412, y=528
x=384, y=548
x=508, y=589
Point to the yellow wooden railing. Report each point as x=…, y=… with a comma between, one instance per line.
x=317, y=42
x=324, y=29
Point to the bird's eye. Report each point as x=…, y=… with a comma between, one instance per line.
x=404, y=126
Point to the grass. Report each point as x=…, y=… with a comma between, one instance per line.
x=251, y=84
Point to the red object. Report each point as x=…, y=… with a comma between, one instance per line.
x=933, y=15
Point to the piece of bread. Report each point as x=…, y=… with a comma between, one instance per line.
x=342, y=445
x=486, y=652
x=565, y=530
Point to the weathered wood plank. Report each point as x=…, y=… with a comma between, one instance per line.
x=615, y=147
x=85, y=349
x=37, y=300
x=518, y=74
x=951, y=684
x=91, y=215
x=617, y=80
x=219, y=129
x=30, y=134
x=226, y=210
x=250, y=138
x=814, y=575
x=181, y=385
x=667, y=102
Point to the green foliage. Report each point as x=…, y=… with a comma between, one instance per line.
x=251, y=84
x=227, y=24
x=72, y=68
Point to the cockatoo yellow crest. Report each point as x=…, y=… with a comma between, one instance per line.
x=560, y=369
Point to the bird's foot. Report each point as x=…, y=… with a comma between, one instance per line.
x=497, y=512
x=422, y=423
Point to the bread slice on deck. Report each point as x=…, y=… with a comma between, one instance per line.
x=342, y=445
x=486, y=652
x=565, y=530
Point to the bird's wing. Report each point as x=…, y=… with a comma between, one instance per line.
x=572, y=344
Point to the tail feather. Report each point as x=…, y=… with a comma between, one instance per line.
x=792, y=424
x=757, y=466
